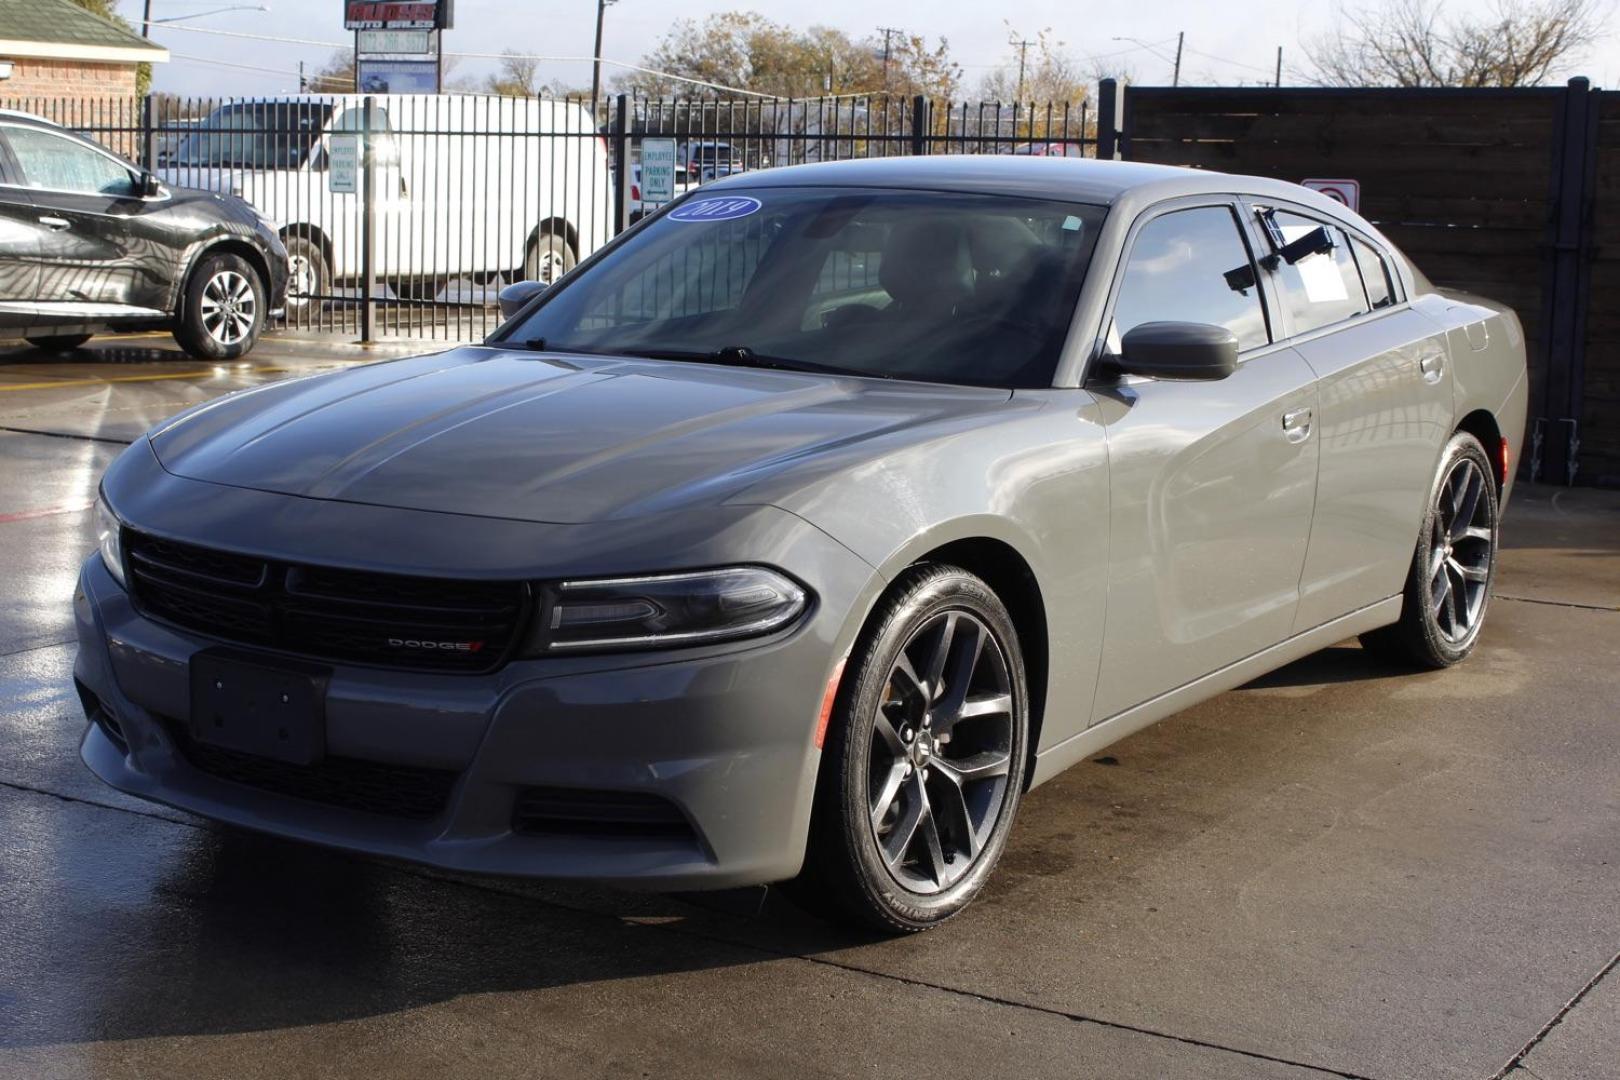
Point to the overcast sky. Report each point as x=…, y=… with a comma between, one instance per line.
x=1220, y=47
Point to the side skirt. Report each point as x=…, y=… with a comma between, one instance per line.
x=1078, y=747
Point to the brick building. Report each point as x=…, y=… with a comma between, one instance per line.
x=55, y=50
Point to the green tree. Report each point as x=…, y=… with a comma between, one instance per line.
x=108, y=9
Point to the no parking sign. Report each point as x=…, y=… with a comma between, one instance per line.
x=1347, y=192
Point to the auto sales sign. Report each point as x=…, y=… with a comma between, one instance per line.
x=398, y=14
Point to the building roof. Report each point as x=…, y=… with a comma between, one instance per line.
x=62, y=30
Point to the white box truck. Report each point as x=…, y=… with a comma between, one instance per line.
x=465, y=186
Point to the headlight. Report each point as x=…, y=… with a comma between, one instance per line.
x=666, y=610
x=108, y=528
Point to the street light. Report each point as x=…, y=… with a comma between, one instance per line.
x=596, y=57
x=1181, y=38
x=147, y=22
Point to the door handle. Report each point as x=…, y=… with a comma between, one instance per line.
x=55, y=224
x=1432, y=366
x=1297, y=425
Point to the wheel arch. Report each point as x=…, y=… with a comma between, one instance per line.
x=1004, y=568
x=222, y=246
x=556, y=225
x=315, y=235
x=1482, y=425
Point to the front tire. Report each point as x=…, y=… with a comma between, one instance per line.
x=58, y=343
x=1448, y=588
x=924, y=762
x=548, y=258
x=224, y=309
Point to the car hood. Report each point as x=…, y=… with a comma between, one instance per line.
x=544, y=437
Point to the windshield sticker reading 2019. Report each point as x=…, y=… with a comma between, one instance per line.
x=729, y=209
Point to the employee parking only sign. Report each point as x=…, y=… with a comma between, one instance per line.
x=1347, y=192
x=657, y=170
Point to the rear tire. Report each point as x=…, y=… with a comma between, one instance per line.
x=923, y=767
x=58, y=343
x=548, y=258
x=224, y=309
x=309, y=277
x=1448, y=588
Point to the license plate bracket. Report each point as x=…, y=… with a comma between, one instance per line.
x=265, y=707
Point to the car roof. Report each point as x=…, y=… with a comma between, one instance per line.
x=1106, y=183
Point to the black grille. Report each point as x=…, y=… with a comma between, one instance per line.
x=372, y=786
x=569, y=811
x=326, y=613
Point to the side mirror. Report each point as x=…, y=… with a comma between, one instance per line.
x=149, y=186
x=1179, y=351
x=517, y=294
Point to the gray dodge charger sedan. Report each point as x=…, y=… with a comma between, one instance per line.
x=802, y=530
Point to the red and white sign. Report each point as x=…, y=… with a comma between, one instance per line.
x=396, y=14
x=1347, y=192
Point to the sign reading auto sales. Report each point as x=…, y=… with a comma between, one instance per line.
x=398, y=14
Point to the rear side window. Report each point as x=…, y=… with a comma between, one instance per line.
x=1375, y=273
x=1322, y=288
x=1192, y=266
x=58, y=163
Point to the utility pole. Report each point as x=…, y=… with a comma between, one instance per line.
x=1181, y=39
x=596, y=61
x=887, y=32
x=1023, y=51
x=1279, y=67
x=146, y=19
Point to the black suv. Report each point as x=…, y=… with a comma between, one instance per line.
x=89, y=242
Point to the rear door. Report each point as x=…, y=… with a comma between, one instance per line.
x=101, y=250
x=1384, y=409
x=1211, y=483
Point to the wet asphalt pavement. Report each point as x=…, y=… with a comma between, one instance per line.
x=1339, y=870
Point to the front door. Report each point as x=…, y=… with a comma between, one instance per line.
x=19, y=248
x=1211, y=483
x=100, y=254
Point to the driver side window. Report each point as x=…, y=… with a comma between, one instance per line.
x=1192, y=266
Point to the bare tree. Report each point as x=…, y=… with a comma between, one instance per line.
x=517, y=76
x=336, y=76
x=1418, y=43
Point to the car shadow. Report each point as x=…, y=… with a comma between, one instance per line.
x=239, y=933
x=1343, y=663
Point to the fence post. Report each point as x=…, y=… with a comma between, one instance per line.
x=148, y=135
x=368, y=228
x=919, y=126
x=1569, y=281
x=1109, y=135
x=621, y=159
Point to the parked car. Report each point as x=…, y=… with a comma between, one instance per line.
x=803, y=531
x=89, y=242
x=707, y=161
x=1057, y=148
x=468, y=186
x=639, y=207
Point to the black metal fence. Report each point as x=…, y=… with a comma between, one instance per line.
x=405, y=214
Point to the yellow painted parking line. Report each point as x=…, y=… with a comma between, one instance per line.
x=268, y=369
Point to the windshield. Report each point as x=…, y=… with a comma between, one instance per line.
x=934, y=286
x=271, y=135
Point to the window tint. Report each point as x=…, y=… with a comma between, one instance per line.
x=1192, y=266
x=63, y=164
x=1322, y=288
x=1375, y=273
x=271, y=135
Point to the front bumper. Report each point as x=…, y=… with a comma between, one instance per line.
x=726, y=737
